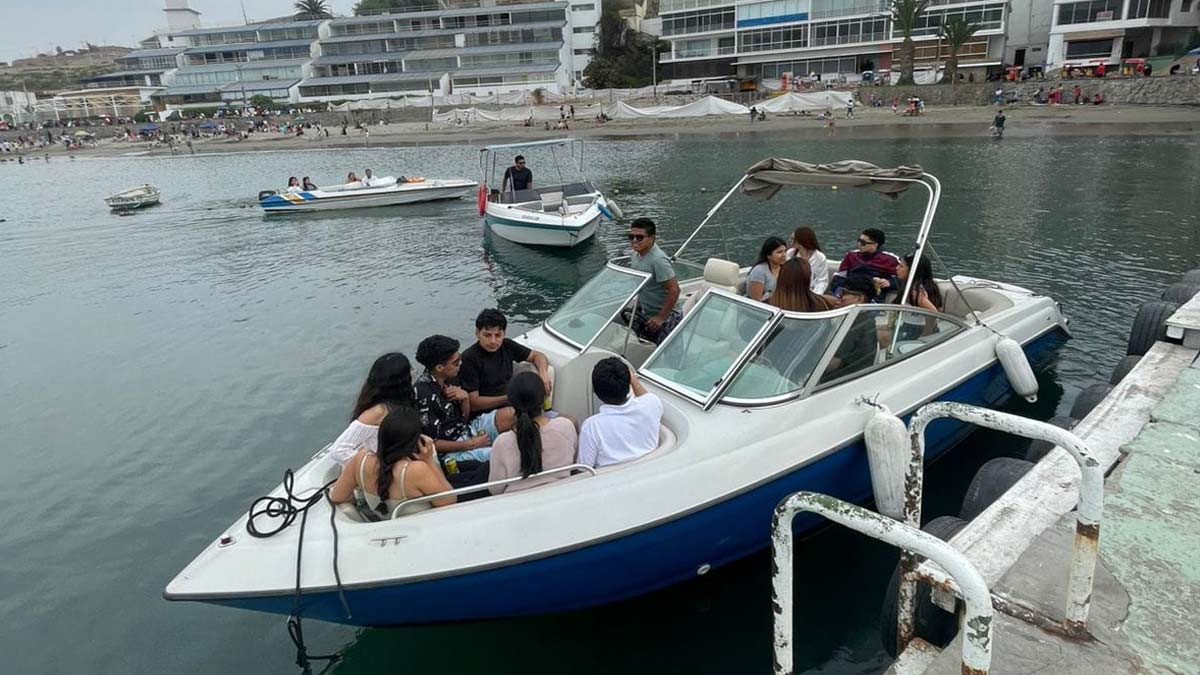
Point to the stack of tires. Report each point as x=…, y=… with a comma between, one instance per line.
x=937, y=626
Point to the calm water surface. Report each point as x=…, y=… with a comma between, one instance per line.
x=159, y=371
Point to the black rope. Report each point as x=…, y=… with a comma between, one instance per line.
x=285, y=509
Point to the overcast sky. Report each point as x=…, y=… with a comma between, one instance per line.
x=27, y=28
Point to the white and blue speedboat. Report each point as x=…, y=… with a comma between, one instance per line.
x=382, y=191
x=757, y=406
x=562, y=214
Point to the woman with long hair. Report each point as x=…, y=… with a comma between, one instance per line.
x=536, y=443
x=805, y=245
x=293, y=185
x=760, y=282
x=794, y=292
x=388, y=385
x=404, y=467
x=925, y=292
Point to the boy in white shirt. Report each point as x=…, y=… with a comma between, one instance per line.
x=625, y=427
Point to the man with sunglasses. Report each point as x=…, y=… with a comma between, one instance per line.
x=871, y=261
x=656, y=316
x=517, y=176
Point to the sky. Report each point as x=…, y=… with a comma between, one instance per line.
x=27, y=28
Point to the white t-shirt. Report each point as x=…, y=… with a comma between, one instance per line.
x=819, y=265
x=620, y=433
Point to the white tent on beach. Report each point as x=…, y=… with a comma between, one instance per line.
x=709, y=105
x=792, y=101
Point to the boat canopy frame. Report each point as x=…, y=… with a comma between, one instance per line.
x=488, y=157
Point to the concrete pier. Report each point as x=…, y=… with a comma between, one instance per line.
x=1146, y=600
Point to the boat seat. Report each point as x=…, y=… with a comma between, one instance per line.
x=718, y=273
x=551, y=201
x=576, y=189
x=983, y=300
x=573, y=395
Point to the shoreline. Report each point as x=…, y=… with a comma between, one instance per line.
x=870, y=123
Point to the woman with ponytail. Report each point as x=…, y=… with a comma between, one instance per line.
x=404, y=467
x=389, y=385
x=536, y=443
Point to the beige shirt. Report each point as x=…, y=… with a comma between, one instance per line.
x=559, y=441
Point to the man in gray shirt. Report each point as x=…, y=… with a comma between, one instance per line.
x=656, y=316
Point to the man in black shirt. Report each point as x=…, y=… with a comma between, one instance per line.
x=517, y=176
x=487, y=366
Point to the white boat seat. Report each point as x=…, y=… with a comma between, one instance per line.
x=573, y=393
x=576, y=189
x=718, y=273
x=983, y=300
x=551, y=201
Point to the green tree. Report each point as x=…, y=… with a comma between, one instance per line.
x=382, y=6
x=312, y=9
x=956, y=34
x=263, y=101
x=904, y=19
x=622, y=57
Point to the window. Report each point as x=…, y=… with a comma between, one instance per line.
x=988, y=17
x=582, y=52
x=583, y=29
x=699, y=356
x=827, y=8
x=1149, y=9
x=1185, y=6
x=848, y=31
x=593, y=307
x=775, y=11
x=788, y=358
x=1083, y=49
x=833, y=66
x=767, y=39
x=583, y=8
x=1088, y=12
x=882, y=334
x=699, y=22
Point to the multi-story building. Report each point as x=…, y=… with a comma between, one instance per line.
x=140, y=68
x=1106, y=31
x=17, y=106
x=763, y=39
x=480, y=46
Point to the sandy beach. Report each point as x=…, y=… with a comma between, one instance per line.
x=943, y=121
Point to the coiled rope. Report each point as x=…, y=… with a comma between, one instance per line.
x=284, y=511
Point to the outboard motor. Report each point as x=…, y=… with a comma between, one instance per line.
x=263, y=194
x=1017, y=368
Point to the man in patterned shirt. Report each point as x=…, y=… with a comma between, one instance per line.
x=445, y=407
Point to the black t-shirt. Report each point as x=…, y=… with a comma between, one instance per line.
x=489, y=372
x=520, y=179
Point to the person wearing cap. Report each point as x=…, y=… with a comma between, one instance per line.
x=861, y=343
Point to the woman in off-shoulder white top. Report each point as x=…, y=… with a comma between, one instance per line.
x=388, y=385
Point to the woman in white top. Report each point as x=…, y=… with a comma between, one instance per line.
x=536, y=443
x=805, y=245
x=405, y=467
x=389, y=384
x=294, y=186
x=760, y=281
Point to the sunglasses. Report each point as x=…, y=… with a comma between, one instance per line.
x=638, y=237
x=865, y=242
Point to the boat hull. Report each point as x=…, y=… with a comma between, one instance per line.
x=307, y=201
x=538, y=234
x=638, y=562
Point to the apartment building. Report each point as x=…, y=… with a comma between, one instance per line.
x=757, y=39
x=1105, y=31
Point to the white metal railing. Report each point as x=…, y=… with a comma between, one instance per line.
x=697, y=53
x=683, y=5
x=569, y=469
x=977, y=641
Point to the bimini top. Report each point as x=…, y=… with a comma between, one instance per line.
x=764, y=179
x=528, y=144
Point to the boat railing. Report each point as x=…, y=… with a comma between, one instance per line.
x=569, y=470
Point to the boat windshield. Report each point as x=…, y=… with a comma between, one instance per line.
x=595, y=305
x=713, y=340
x=785, y=363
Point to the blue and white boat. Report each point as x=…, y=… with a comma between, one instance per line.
x=382, y=191
x=757, y=406
x=562, y=214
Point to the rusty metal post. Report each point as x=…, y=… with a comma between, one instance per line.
x=1091, y=491
x=977, y=622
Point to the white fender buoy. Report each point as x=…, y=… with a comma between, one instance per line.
x=1016, y=367
x=888, y=455
x=616, y=210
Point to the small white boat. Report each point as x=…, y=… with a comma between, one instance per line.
x=758, y=403
x=383, y=191
x=134, y=198
x=561, y=215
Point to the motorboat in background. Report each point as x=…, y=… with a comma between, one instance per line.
x=133, y=198
x=758, y=403
x=560, y=215
x=383, y=191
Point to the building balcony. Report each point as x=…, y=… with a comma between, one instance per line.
x=683, y=55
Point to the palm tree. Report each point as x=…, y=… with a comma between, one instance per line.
x=956, y=34
x=312, y=9
x=904, y=19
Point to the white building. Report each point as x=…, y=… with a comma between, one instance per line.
x=1027, y=32
x=1106, y=31
x=17, y=106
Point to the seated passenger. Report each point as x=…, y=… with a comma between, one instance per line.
x=760, y=281
x=368, y=179
x=793, y=291
x=308, y=185
x=805, y=245
x=859, y=348
x=625, y=427
x=487, y=366
x=444, y=407
x=405, y=467
x=871, y=260
x=536, y=443
x=293, y=187
x=351, y=178
x=389, y=384
x=924, y=293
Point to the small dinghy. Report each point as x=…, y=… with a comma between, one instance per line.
x=382, y=191
x=133, y=198
x=758, y=403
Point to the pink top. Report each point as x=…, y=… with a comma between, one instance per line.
x=559, y=442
